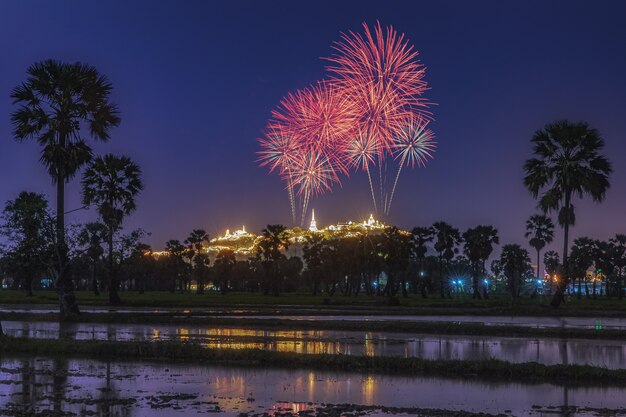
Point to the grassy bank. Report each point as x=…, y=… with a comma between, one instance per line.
x=191, y=353
x=435, y=328
x=496, y=305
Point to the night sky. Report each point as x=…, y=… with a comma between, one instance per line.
x=196, y=82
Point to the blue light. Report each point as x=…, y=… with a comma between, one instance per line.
x=485, y=281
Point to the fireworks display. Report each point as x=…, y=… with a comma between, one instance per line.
x=371, y=111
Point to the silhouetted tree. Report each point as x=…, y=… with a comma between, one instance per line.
x=273, y=241
x=112, y=183
x=478, y=245
x=581, y=259
x=58, y=103
x=567, y=164
x=25, y=227
x=92, y=236
x=421, y=236
x=446, y=240
x=224, y=263
x=515, y=265
x=540, y=230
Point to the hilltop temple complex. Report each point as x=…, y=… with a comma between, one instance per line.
x=244, y=243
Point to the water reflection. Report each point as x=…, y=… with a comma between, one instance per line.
x=85, y=387
x=604, y=353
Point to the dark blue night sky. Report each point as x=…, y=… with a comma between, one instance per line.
x=196, y=81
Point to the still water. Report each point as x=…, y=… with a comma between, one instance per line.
x=525, y=321
x=604, y=353
x=56, y=387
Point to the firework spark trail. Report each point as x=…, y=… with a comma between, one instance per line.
x=414, y=146
x=313, y=176
x=278, y=152
x=360, y=153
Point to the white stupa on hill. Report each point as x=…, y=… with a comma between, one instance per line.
x=313, y=225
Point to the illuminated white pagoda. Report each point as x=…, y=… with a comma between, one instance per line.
x=313, y=226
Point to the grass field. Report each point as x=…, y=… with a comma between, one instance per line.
x=413, y=304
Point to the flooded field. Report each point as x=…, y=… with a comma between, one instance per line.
x=526, y=321
x=60, y=387
x=603, y=353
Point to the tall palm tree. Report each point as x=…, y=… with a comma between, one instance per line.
x=567, y=164
x=478, y=246
x=60, y=105
x=540, y=230
x=111, y=183
x=446, y=240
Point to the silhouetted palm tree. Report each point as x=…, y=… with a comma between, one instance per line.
x=515, y=264
x=478, y=246
x=582, y=257
x=273, y=242
x=224, y=264
x=60, y=104
x=552, y=263
x=396, y=248
x=446, y=240
x=540, y=230
x=111, y=183
x=198, y=260
x=567, y=164
x=617, y=250
x=176, y=266
x=422, y=236
x=93, y=235
x=312, y=253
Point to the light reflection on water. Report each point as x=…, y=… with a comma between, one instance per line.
x=605, y=353
x=88, y=387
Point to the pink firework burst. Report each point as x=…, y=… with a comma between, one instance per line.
x=278, y=149
x=381, y=74
x=321, y=119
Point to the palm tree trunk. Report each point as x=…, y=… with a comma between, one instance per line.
x=114, y=298
x=94, y=278
x=536, y=285
x=441, y=285
x=562, y=285
x=65, y=287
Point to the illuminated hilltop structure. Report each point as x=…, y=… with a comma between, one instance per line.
x=313, y=226
x=244, y=243
x=241, y=242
